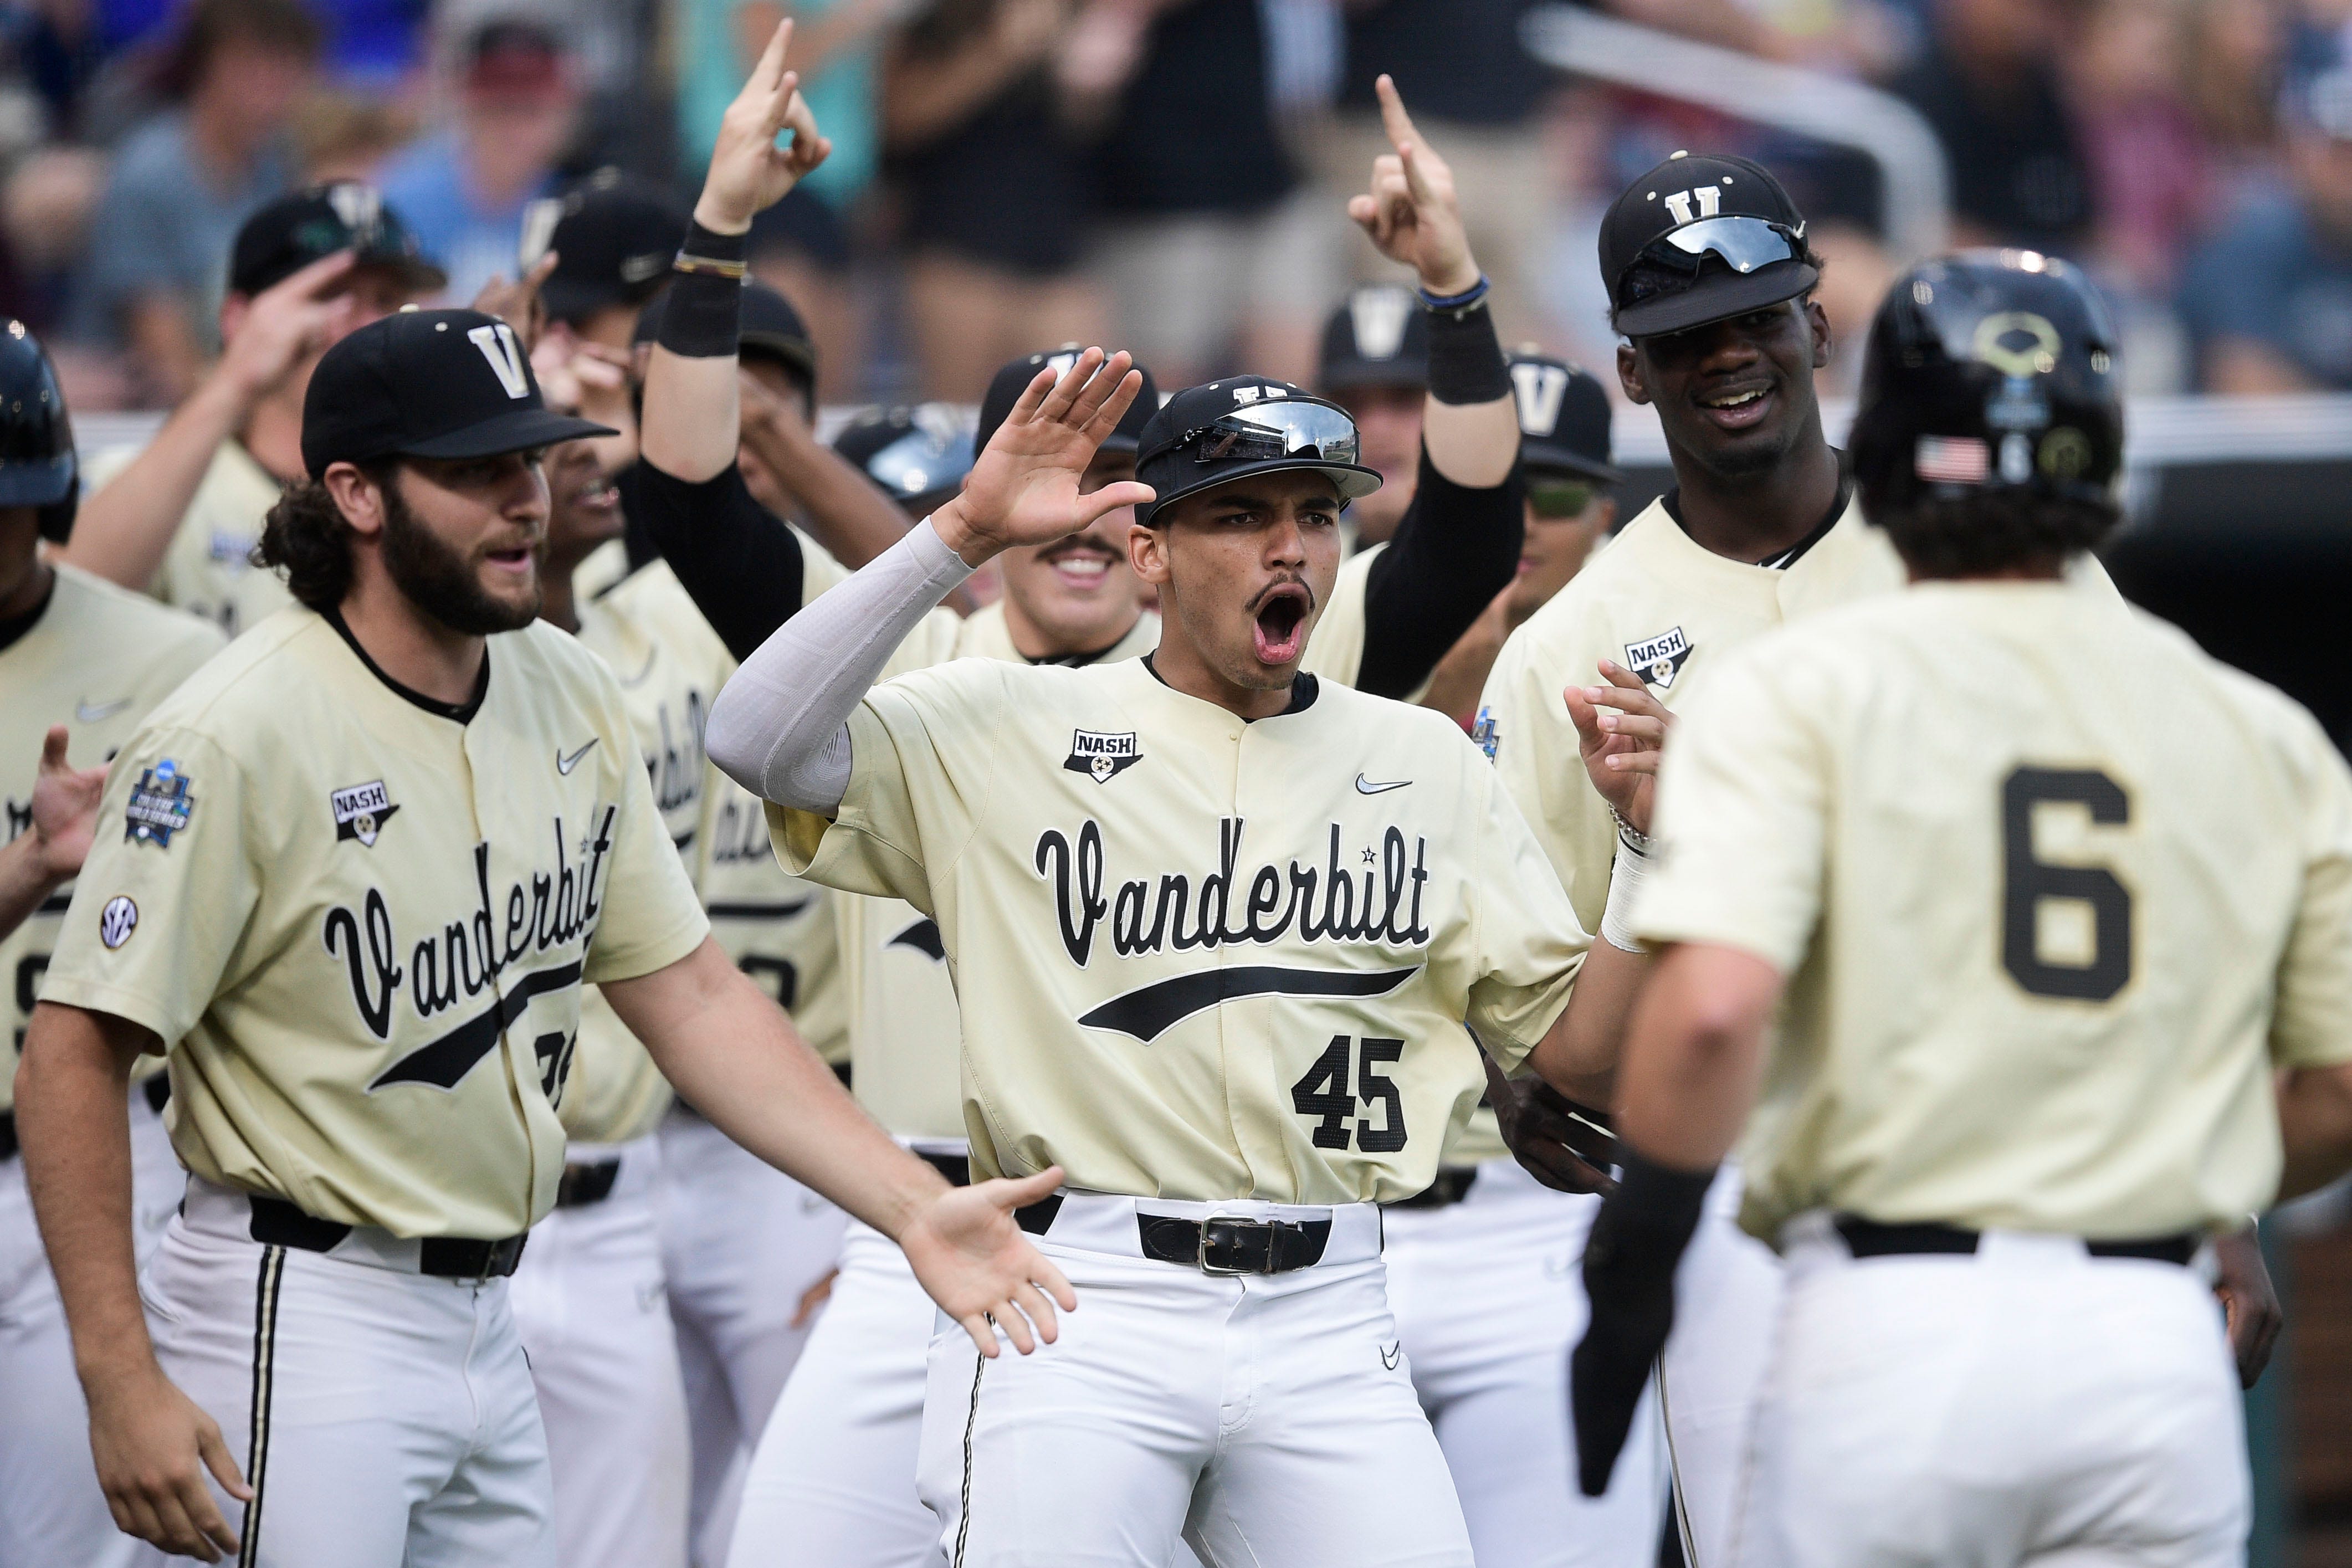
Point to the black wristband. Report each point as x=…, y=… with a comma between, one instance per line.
x=703, y=316
x=1640, y=1231
x=701, y=242
x=1465, y=361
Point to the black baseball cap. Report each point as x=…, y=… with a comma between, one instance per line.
x=1378, y=337
x=613, y=235
x=1012, y=378
x=771, y=327
x=1208, y=436
x=303, y=226
x=912, y=454
x=1713, y=235
x=428, y=384
x=1563, y=417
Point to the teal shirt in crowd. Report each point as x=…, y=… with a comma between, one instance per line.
x=711, y=71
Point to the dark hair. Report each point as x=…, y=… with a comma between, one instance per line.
x=306, y=537
x=285, y=25
x=1996, y=531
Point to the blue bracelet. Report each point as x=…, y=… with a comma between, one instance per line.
x=1462, y=301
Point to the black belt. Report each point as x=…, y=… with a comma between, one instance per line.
x=956, y=1168
x=1218, y=1245
x=158, y=1090
x=1034, y=1218
x=1453, y=1184
x=1869, y=1238
x=586, y=1182
x=277, y=1222
x=8, y=1134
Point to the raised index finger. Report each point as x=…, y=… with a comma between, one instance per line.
x=770, y=71
x=1393, y=118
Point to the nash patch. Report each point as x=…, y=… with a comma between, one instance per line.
x=1103, y=755
x=1659, y=659
x=361, y=811
x=160, y=805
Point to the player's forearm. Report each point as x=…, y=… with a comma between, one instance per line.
x=123, y=532
x=692, y=418
x=72, y=1095
x=1694, y=1055
x=850, y=518
x=1578, y=1054
x=735, y=1057
x=780, y=726
x=2315, y=1111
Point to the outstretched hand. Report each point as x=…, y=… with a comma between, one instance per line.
x=1621, y=729
x=1023, y=489
x=1411, y=212
x=749, y=172
x=975, y=1262
x=65, y=808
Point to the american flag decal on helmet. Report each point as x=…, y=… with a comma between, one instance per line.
x=1952, y=459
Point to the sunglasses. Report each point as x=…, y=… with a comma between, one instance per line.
x=1744, y=244
x=1267, y=431
x=1558, y=498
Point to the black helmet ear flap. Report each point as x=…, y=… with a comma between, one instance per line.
x=37, y=467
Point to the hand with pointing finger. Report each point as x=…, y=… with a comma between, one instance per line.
x=1412, y=213
x=749, y=172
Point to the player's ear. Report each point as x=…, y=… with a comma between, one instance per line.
x=356, y=496
x=1146, y=551
x=1629, y=374
x=1819, y=321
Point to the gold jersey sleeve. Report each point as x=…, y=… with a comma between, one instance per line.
x=208, y=569
x=97, y=661
x=1198, y=958
x=2054, y=892
x=359, y=920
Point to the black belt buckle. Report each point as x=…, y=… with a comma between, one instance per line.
x=463, y=1257
x=586, y=1182
x=1230, y=1244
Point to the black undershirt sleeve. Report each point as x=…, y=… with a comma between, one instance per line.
x=1456, y=550
x=740, y=562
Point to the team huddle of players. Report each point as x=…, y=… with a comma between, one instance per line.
x=580, y=1034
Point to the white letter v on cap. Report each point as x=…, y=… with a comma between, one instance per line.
x=497, y=345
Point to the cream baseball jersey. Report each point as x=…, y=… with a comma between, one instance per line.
x=360, y=918
x=96, y=659
x=904, y=1027
x=1199, y=957
x=2054, y=893
x=669, y=664
x=208, y=568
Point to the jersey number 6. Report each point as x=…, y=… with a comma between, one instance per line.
x=1323, y=1093
x=2026, y=881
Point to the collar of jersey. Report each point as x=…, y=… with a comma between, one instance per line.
x=1671, y=504
x=1303, y=691
x=462, y=712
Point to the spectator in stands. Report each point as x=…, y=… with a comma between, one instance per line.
x=464, y=191
x=2147, y=153
x=994, y=187
x=1215, y=253
x=1986, y=81
x=2268, y=299
x=182, y=183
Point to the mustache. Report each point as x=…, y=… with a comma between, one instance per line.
x=1257, y=601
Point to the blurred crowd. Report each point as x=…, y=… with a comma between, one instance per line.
x=1166, y=174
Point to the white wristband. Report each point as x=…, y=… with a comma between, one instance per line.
x=1625, y=885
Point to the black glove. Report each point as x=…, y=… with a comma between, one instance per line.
x=1629, y=1275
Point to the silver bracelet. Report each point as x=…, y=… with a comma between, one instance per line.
x=1630, y=837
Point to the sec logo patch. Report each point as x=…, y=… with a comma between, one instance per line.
x=117, y=921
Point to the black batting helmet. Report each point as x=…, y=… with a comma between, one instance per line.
x=36, y=447
x=1990, y=370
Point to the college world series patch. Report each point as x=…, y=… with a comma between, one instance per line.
x=1102, y=754
x=160, y=805
x=1659, y=659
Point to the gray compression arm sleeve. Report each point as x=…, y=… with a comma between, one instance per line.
x=781, y=726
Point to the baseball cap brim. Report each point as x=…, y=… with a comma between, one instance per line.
x=1714, y=296
x=516, y=432
x=796, y=354
x=1548, y=458
x=573, y=299
x=1354, y=483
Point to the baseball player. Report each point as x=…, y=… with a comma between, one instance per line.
x=366, y=859
x=613, y=238
x=81, y=662
x=2050, y=897
x=1374, y=363
x=179, y=517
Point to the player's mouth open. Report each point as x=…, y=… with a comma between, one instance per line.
x=1736, y=407
x=515, y=557
x=1082, y=570
x=1279, y=630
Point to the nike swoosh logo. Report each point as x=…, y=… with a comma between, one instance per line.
x=1366, y=786
x=564, y=764
x=1392, y=1354
x=91, y=712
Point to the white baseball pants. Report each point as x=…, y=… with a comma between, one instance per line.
x=1727, y=1308
x=2027, y=1404
x=741, y=1244
x=51, y=1511
x=1262, y=1418
x=1489, y=1296
x=384, y=1418
x=590, y=1303
x=832, y=1482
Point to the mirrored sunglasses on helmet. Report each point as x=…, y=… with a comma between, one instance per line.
x=921, y=460
x=1269, y=432
x=1745, y=244
x=1558, y=499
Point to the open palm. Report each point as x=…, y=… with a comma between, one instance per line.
x=1023, y=489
